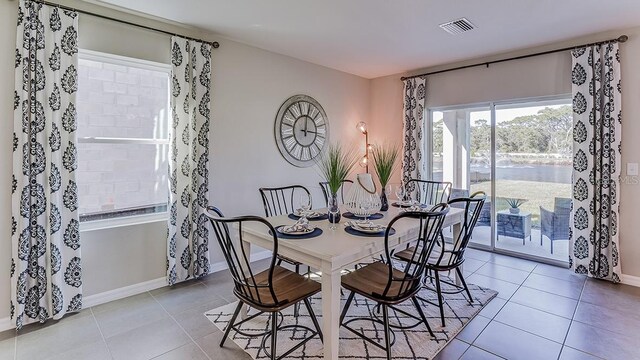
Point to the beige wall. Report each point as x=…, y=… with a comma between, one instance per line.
x=249, y=84
x=537, y=76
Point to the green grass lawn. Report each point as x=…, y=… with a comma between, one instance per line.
x=536, y=193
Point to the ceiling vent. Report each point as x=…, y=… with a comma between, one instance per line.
x=458, y=26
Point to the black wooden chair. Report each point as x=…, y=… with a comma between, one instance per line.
x=382, y=283
x=282, y=201
x=324, y=185
x=428, y=191
x=269, y=291
x=447, y=257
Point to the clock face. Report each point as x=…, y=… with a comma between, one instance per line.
x=301, y=130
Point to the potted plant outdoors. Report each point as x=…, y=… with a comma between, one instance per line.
x=384, y=161
x=514, y=205
x=335, y=165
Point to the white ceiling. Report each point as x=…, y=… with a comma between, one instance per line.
x=372, y=38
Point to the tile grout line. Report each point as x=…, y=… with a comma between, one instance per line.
x=182, y=328
x=572, y=319
x=493, y=318
x=104, y=340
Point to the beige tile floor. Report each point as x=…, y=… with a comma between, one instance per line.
x=541, y=312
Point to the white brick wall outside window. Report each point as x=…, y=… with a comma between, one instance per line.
x=123, y=135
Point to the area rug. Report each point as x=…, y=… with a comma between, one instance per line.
x=415, y=343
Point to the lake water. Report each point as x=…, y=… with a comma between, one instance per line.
x=527, y=172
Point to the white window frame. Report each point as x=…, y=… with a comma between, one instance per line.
x=127, y=220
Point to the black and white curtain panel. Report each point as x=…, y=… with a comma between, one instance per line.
x=597, y=122
x=46, y=269
x=413, y=166
x=188, y=245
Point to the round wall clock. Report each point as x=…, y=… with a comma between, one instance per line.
x=301, y=130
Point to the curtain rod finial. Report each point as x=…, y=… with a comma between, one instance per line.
x=215, y=44
x=623, y=38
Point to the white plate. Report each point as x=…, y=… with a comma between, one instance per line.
x=368, y=230
x=308, y=231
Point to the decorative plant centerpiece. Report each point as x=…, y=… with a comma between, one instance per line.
x=335, y=165
x=384, y=161
x=514, y=205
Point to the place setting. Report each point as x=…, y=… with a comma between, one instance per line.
x=363, y=207
x=301, y=229
x=366, y=228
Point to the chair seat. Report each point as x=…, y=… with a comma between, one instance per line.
x=288, y=286
x=405, y=255
x=371, y=280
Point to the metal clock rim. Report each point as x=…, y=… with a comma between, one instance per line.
x=278, y=135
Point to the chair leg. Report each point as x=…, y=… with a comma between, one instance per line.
x=424, y=318
x=387, y=330
x=440, y=297
x=313, y=318
x=551, y=246
x=464, y=283
x=233, y=319
x=346, y=306
x=274, y=334
x=279, y=262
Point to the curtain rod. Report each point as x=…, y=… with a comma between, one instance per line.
x=620, y=39
x=214, y=44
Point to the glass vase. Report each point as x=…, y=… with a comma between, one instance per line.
x=334, y=209
x=383, y=200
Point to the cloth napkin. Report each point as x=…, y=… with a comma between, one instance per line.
x=302, y=225
x=368, y=225
x=308, y=213
x=417, y=207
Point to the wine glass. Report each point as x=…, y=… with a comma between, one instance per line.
x=366, y=206
x=305, y=204
x=333, y=211
x=400, y=193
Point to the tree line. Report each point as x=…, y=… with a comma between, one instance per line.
x=549, y=131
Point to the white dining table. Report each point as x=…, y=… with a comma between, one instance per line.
x=335, y=250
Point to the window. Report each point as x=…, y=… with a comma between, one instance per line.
x=123, y=136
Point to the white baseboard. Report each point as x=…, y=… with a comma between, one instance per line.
x=135, y=289
x=6, y=324
x=630, y=280
x=139, y=288
x=123, y=292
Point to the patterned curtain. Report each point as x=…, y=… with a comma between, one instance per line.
x=45, y=268
x=413, y=165
x=188, y=245
x=597, y=122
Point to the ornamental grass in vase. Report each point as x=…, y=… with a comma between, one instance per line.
x=335, y=165
x=384, y=162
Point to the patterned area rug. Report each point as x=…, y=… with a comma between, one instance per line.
x=415, y=343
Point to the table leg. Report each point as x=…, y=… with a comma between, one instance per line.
x=246, y=247
x=457, y=228
x=331, y=313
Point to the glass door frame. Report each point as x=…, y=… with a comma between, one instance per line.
x=491, y=105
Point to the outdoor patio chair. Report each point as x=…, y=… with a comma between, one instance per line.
x=555, y=224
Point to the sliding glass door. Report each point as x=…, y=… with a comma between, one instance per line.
x=461, y=155
x=519, y=154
